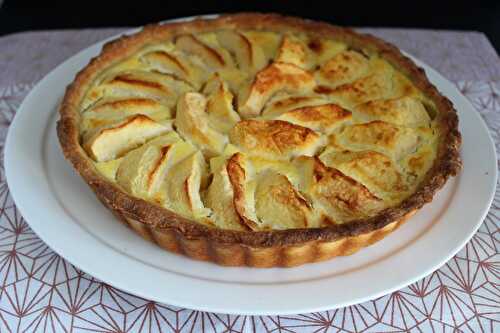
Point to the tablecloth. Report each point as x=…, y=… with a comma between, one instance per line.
x=41, y=292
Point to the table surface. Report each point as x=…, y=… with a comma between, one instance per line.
x=41, y=292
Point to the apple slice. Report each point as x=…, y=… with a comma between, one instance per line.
x=140, y=169
x=164, y=88
x=324, y=49
x=268, y=41
x=193, y=124
x=110, y=111
x=220, y=105
x=340, y=197
x=122, y=87
x=407, y=111
x=166, y=61
x=281, y=103
x=376, y=83
x=294, y=51
x=344, y=67
x=375, y=170
x=321, y=118
x=180, y=190
x=392, y=140
x=173, y=63
x=176, y=153
x=191, y=45
x=275, y=139
x=220, y=194
x=278, y=205
x=271, y=80
x=249, y=57
x=241, y=174
x=235, y=78
x=112, y=142
x=166, y=80
x=109, y=168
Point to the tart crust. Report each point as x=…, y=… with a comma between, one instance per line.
x=255, y=248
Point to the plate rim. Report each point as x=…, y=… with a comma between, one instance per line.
x=16, y=195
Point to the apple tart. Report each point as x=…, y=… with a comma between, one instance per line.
x=258, y=139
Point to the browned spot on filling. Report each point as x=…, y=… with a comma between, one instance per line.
x=323, y=90
x=346, y=57
x=316, y=45
x=327, y=221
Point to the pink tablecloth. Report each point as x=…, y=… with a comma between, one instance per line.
x=41, y=292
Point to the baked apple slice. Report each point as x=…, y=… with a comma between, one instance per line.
x=344, y=67
x=375, y=170
x=230, y=176
x=339, y=196
x=407, y=111
x=376, y=84
x=294, y=51
x=389, y=139
x=321, y=118
x=164, y=88
x=277, y=77
x=181, y=187
x=249, y=57
x=112, y=142
x=324, y=49
x=110, y=111
x=192, y=123
x=206, y=54
x=283, y=102
x=275, y=139
x=143, y=168
x=278, y=204
x=221, y=113
x=174, y=63
x=268, y=41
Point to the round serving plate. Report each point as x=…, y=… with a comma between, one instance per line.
x=65, y=214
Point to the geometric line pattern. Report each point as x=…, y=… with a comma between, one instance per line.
x=41, y=292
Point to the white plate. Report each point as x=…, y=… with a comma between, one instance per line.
x=66, y=215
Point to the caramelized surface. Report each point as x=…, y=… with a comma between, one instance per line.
x=256, y=130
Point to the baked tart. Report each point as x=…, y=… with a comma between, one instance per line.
x=258, y=139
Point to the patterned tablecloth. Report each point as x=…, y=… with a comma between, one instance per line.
x=41, y=292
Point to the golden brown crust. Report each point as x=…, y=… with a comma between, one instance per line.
x=228, y=254
x=263, y=248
